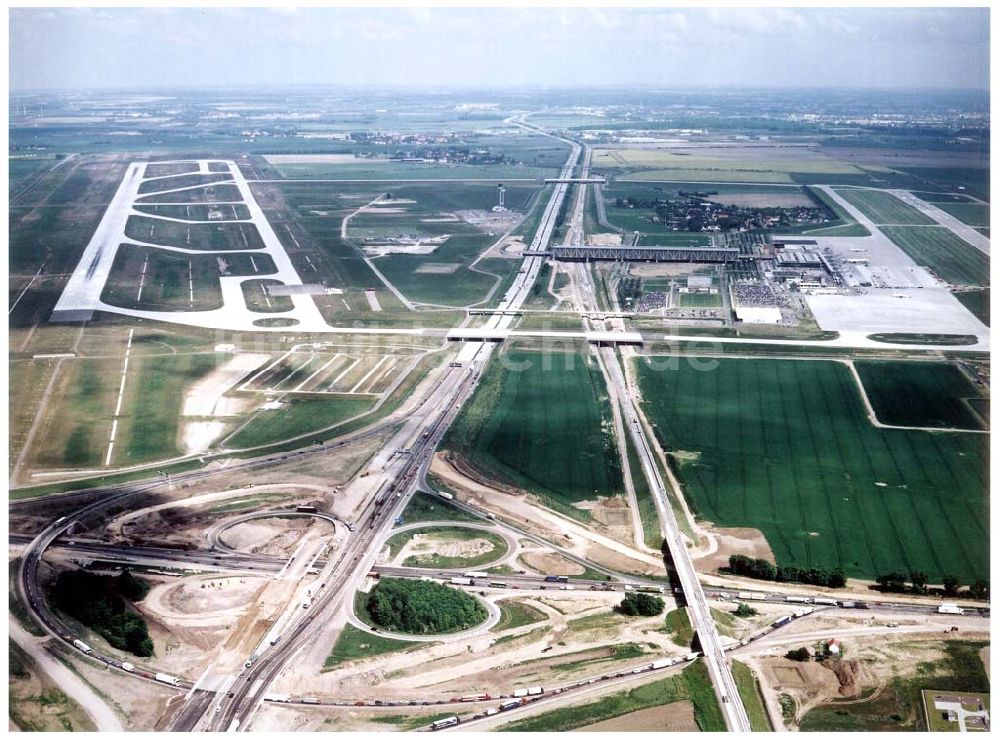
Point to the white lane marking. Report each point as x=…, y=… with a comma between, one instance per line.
x=347, y=370
x=142, y=278
x=369, y=373
x=313, y=375
x=121, y=396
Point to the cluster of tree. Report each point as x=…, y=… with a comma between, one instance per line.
x=420, y=607
x=801, y=654
x=745, y=610
x=741, y=565
x=629, y=290
x=640, y=605
x=103, y=604
x=899, y=582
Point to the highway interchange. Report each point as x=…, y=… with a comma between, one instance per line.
x=234, y=707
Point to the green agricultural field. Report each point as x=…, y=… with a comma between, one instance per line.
x=700, y=300
x=725, y=165
x=978, y=302
x=884, y=208
x=920, y=394
x=541, y=422
x=300, y=415
x=973, y=214
x=205, y=237
x=386, y=169
x=786, y=447
x=941, y=251
x=692, y=684
x=440, y=535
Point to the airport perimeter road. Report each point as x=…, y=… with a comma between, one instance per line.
x=961, y=230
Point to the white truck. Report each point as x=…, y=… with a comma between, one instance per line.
x=82, y=647
x=126, y=666
x=168, y=679
x=950, y=609
x=457, y=581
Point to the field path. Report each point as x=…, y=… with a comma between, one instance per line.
x=105, y=719
x=368, y=260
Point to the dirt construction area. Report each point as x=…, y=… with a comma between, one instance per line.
x=733, y=541
x=427, y=544
x=595, y=542
x=579, y=635
x=201, y=600
x=278, y=537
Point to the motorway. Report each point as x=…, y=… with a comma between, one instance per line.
x=701, y=618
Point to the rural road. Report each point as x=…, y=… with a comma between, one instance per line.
x=105, y=719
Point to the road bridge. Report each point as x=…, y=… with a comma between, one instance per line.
x=645, y=254
x=486, y=334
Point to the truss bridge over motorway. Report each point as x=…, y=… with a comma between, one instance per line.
x=646, y=254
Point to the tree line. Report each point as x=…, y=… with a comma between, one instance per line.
x=898, y=582
x=742, y=565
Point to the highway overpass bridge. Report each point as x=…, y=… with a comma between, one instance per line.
x=602, y=338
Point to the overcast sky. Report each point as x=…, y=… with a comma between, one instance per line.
x=80, y=48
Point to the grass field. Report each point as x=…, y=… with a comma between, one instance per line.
x=221, y=213
x=301, y=415
x=212, y=194
x=180, y=181
x=678, y=624
x=207, y=237
x=973, y=214
x=750, y=694
x=786, y=447
x=353, y=644
x=651, y=534
x=692, y=684
x=978, y=302
x=919, y=394
x=452, y=534
x=884, y=208
x=899, y=705
x=426, y=508
x=544, y=428
x=941, y=251
x=700, y=300
x=257, y=299
x=515, y=614
x=172, y=281
x=154, y=393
